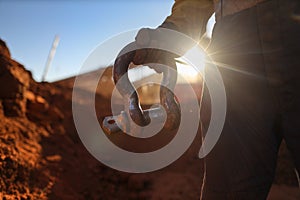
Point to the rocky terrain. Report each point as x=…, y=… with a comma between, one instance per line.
x=42, y=157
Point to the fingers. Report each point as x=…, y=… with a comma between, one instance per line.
x=143, y=37
x=153, y=58
x=151, y=37
x=140, y=57
x=144, y=56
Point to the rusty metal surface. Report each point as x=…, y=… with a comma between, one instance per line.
x=131, y=101
x=114, y=124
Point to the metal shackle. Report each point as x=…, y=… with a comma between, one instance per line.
x=167, y=98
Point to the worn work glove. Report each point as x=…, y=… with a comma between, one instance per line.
x=146, y=38
x=171, y=44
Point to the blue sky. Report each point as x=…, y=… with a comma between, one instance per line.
x=29, y=27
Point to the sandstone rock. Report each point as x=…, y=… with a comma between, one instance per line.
x=14, y=81
x=36, y=103
x=54, y=158
x=39, y=108
x=1, y=108
x=14, y=107
x=3, y=49
x=54, y=113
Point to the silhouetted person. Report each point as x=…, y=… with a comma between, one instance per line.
x=256, y=46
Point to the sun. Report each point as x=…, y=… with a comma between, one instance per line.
x=191, y=65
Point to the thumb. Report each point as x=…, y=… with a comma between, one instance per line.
x=143, y=37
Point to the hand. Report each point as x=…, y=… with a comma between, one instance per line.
x=146, y=38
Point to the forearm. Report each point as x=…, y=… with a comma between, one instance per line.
x=190, y=17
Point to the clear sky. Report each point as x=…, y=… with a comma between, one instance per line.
x=28, y=27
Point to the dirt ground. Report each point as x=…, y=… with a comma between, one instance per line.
x=42, y=157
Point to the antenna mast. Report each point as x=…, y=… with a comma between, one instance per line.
x=50, y=57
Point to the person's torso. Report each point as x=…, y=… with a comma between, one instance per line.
x=228, y=7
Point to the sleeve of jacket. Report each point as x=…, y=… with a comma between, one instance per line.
x=190, y=17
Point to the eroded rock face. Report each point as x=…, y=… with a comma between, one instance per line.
x=14, y=81
x=27, y=119
x=3, y=49
x=39, y=109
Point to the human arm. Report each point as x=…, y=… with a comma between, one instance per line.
x=190, y=17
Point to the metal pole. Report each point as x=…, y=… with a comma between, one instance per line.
x=50, y=57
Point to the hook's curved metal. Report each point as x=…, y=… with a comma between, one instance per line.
x=167, y=97
x=120, y=69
